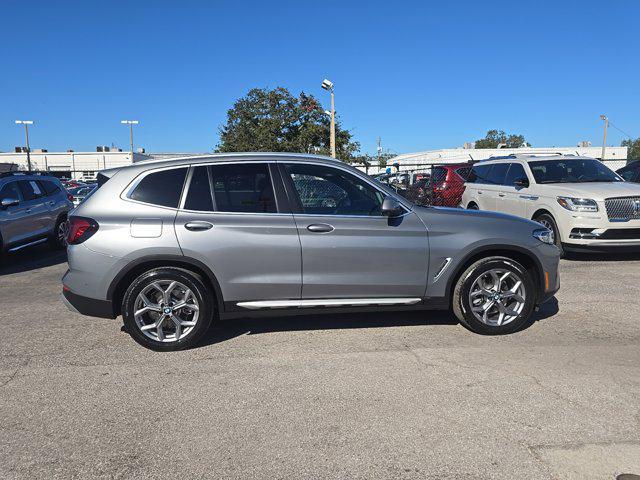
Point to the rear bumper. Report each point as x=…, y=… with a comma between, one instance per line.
x=91, y=307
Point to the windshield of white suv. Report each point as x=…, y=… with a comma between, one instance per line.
x=572, y=171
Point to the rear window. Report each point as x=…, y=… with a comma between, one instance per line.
x=479, y=174
x=49, y=187
x=161, y=188
x=464, y=172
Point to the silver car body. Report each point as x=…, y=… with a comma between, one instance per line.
x=31, y=220
x=272, y=261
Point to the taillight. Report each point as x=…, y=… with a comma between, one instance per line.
x=69, y=197
x=80, y=229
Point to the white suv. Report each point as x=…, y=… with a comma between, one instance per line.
x=584, y=203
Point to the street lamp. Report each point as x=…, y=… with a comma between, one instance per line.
x=26, y=124
x=131, y=123
x=604, y=140
x=328, y=85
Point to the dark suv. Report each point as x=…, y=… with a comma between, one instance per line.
x=33, y=210
x=631, y=173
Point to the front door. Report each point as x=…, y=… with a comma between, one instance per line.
x=230, y=221
x=349, y=249
x=510, y=198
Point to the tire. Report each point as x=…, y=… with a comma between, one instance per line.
x=58, y=240
x=195, y=317
x=472, y=206
x=549, y=222
x=481, y=273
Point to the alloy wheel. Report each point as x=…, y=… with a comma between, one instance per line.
x=166, y=311
x=497, y=297
x=62, y=233
x=547, y=224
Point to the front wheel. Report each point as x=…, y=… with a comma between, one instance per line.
x=58, y=239
x=167, y=309
x=548, y=222
x=495, y=295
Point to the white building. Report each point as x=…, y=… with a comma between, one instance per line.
x=615, y=157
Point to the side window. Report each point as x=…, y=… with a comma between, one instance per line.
x=30, y=190
x=243, y=187
x=199, y=194
x=497, y=174
x=463, y=172
x=161, y=188
x=331, y=191
x=516, y=172
x=628, y=174
x=49, y=187
x=479, y=174
x=10, y=190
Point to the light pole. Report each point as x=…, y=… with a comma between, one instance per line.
x=26, y=124
x=328, y=85
x=131, y=123
x=604, y=140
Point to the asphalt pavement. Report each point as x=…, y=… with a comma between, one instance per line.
x=359, y=396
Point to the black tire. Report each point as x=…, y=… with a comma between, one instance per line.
x=192, y=281
x=549, y=222
x=472, y=206
x=461, y=303
x=55, y=242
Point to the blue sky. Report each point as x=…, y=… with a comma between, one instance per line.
x=421, y=75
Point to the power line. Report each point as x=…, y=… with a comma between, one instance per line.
x=620, y=130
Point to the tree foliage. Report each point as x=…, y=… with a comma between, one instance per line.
x=496, y=138
x=633, y=146
x=273, y=120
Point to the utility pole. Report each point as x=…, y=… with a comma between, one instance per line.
x=131, y=123
x=26, y=124
x=328, y=85
x=604, y=140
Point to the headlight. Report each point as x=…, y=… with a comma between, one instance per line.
x=544, y=235
x=578, y=204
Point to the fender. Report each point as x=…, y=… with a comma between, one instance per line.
x=173, y=260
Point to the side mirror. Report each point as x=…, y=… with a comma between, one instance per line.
x=9, y=202
x=521, y=183
x=391, y=207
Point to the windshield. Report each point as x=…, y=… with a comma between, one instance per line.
x=572, y=171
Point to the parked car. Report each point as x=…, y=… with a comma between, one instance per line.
x=33, y=210
x=169, y=245
x=631, y=173
x=68, y=184
x=585, y=204
x=80, y=193
x=447, y=184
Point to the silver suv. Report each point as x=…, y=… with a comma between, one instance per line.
x=33, y=210
x=172, y=245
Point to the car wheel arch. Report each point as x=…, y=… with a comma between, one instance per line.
x=542, y=211
x=120, y=283
x=513, y=252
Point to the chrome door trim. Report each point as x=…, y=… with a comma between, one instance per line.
x=327, y=302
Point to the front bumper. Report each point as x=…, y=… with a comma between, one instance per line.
x=592, y=231
x=91, y=307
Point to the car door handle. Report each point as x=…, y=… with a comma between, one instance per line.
x=501, y=194
x=28, y=210
x=479, y=192
x=320, y=228
x=198, y=226
x=51, y=203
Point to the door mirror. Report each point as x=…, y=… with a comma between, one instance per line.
x=521, y=183
x=9, y=202
x=391, y=207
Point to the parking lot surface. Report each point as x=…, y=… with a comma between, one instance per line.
x=401, y=395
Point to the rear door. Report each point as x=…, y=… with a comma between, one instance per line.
x=349, y=249
x=493, y=186
x=35, y=209
x=235, y=219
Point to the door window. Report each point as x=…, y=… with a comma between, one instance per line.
x=479, y=174
x=628, y=173
x=331, y=191
x=10, y=191
x=30, y=190
x=49, y=187
x=243, y=187
x=498, y=173
x=199, y=194
x=161, y=188
x=516, y=172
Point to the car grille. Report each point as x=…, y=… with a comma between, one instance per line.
x=623, y=209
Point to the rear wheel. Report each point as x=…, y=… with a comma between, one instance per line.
x=472, y=206
x=58, y=240
x=548, y=221
x=167, y=309
x=494, y=296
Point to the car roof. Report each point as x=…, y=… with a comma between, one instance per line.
x=531, y=158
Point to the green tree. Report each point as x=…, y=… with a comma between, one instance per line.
x=273, y=120
x=496, y=137
x=633, y=148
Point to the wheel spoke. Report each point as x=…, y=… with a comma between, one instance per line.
x=167, y=293
x=151, y=326
x=188, y=323
x=496, y=280
x=159, y=330
x=190, y=306
x=500, y=318
x=178, y=324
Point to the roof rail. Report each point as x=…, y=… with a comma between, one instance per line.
x=23, y=173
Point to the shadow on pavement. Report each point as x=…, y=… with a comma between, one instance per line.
x=223, y=330
x=31, y=259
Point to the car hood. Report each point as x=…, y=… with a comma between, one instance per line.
x=474, y=216
x=594, y=190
